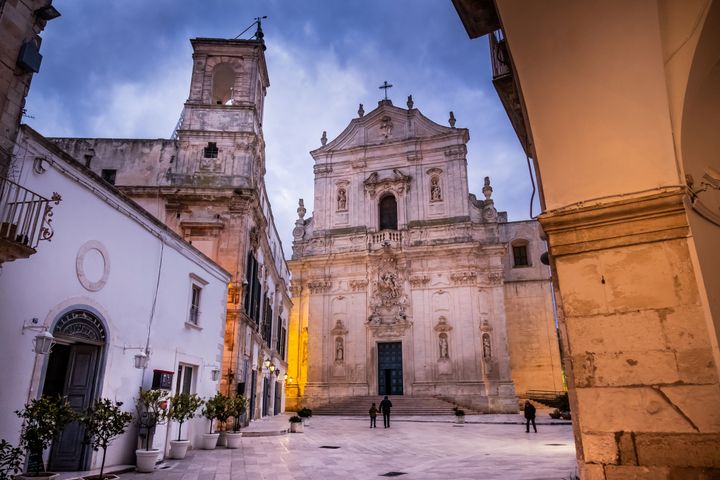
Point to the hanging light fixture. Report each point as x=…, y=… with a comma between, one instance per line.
x=43, y=343
x=141, y=360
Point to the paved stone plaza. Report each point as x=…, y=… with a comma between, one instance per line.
x=421, y=447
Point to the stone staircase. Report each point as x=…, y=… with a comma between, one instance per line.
x=402, y=405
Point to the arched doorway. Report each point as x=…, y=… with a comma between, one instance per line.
x=388, y=213
x=74, y=370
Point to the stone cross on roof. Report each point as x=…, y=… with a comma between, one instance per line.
x=385, y=86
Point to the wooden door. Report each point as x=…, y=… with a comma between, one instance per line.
x=69, y=452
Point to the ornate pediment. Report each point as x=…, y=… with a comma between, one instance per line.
x=396, y=182
x=387, y=124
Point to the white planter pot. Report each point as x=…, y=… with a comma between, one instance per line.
x=222, y=440
x=146, y=460
x=209, y=441
x=40, y=476
x=179, y=448
x=233, y=439
x=459, y=418
x=296, y=427
x=306, y=421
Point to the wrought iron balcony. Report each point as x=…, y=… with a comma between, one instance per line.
x=507, y=88
x=25, y=219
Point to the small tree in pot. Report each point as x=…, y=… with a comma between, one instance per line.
x=43, y=419
x=237, y=406
x=151, y=408
x=11, y=459
x=305, y=414
x=103, y=422
x=296, y=425
x=214, y=407
x=183, y=407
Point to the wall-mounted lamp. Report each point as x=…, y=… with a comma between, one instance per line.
x=266, y=363
x=277, y=372
x=141, y=358
x=288, y=380
x=271, y=367
x=215, y=374
x=43, y=341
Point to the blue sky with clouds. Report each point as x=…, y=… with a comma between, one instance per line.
x=122, y=69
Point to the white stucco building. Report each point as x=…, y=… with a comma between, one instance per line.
x=112, y=283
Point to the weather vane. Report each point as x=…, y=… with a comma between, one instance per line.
x=385, y=86
x=258, y=33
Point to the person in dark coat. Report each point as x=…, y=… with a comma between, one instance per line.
x=385, y=409
x=529, y=411
x=373, y=415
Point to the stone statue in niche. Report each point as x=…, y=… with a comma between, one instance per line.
x=339, y=350
x=443, y=346
x=487, y=352
x=435, y=191
x=341, y=199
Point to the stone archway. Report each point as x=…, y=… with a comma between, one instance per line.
x=74, y=370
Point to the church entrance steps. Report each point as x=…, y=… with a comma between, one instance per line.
x=402, y=405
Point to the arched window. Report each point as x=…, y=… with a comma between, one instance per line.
x=520, y=253
x=388, y=213
x=223, y=82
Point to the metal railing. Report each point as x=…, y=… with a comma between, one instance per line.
x=499, y=55
x=25, y=216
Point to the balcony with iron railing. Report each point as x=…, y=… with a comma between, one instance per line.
x=503, y=77
x=25, y=219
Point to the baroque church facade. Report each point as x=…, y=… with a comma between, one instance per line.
x=404, y=283
x=207, y=184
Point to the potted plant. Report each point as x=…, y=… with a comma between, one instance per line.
x=459, y=414
x=237, y=406
x=305, y=414
x=213, y=406
x=222, y=415
x=43, y=419
x=103, y=422
x=183, y=407
x=151, y=411
x=11, y=459
x=296, y=425
x=555, y=414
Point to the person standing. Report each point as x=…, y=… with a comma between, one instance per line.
x=373, y=415
x=529, y=411
x=385, y=409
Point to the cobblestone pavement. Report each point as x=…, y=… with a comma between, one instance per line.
x=430, y=449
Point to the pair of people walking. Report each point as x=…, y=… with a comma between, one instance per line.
x=385, y=406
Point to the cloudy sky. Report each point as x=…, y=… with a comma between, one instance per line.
x=121, y=68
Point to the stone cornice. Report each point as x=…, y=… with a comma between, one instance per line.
x=655, y=216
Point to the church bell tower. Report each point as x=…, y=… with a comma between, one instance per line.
x=220, y=132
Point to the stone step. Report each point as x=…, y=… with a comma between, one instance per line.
x=402, y=405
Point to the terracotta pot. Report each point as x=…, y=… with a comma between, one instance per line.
x=233, y=439
x=145, y=460
x=179, y=448
x=296, y=427
x=209, y=441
